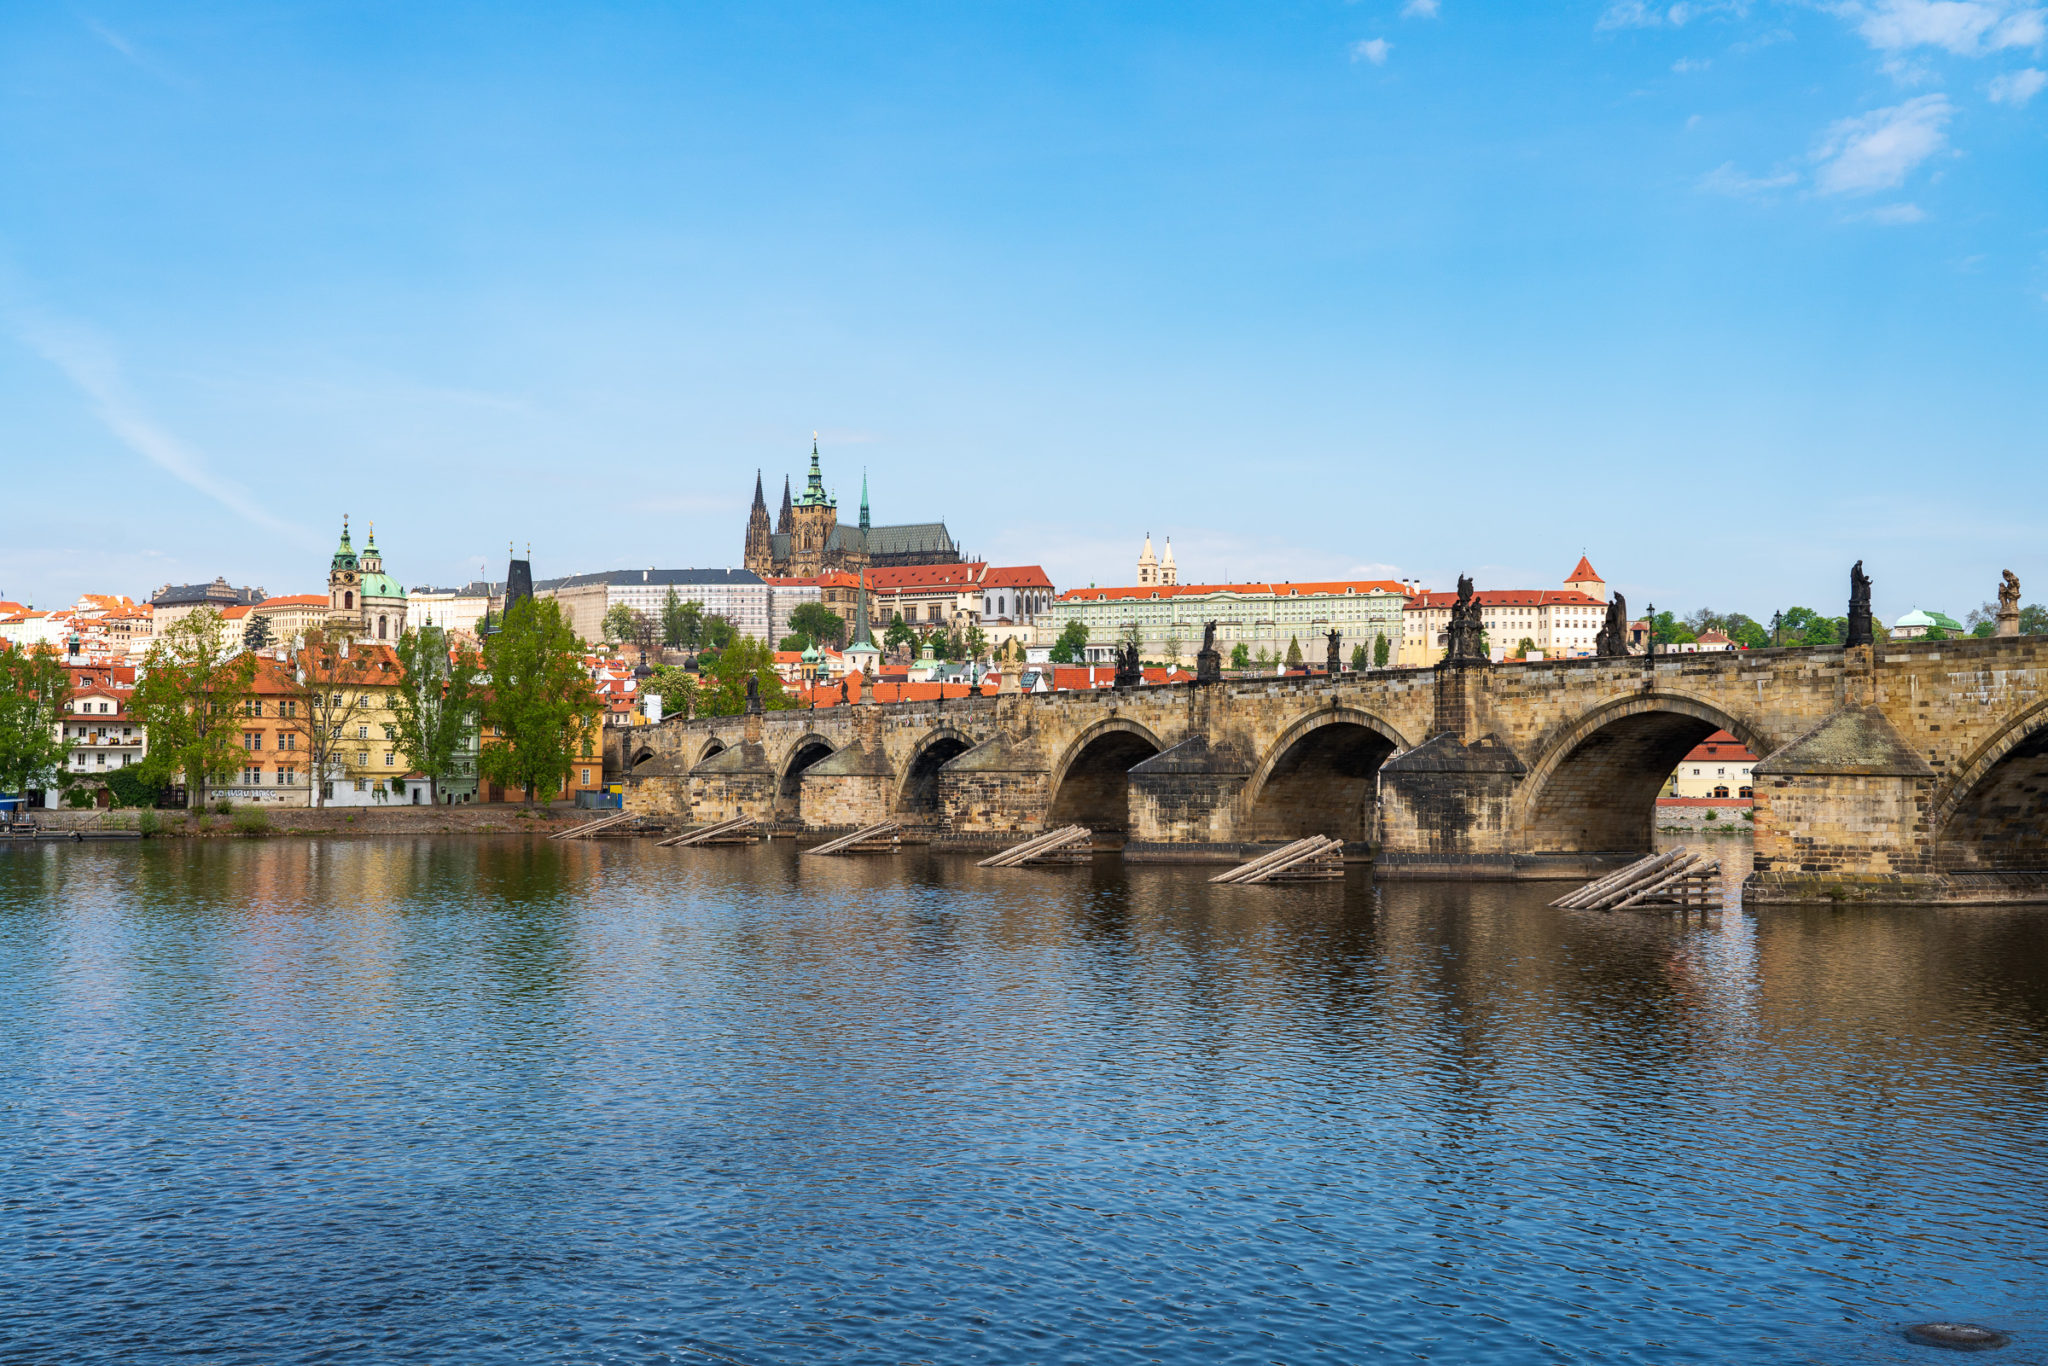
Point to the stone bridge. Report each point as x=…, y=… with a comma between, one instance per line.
x=1910, y=771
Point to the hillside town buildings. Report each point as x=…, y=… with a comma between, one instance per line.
x=1557, y=623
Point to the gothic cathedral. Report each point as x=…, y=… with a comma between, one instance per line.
x=807, y=539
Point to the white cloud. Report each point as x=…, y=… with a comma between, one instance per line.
x=1968, y=28
x=1642, y=14
x=2017, y=87
x=90, y=365
x=1419, y=9
x=1897, y=214
x=1372, y=50
x=1728, y=179
x=1880, y=149
x=1686, y=65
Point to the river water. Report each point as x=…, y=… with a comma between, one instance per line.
x=513, y=1101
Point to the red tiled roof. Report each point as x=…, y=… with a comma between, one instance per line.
x=1016, y=576
x=1721, y=747
x=1584, y=573
x=907, y=578
x=293, y=600
x=1332, y=587
x=1509, y=597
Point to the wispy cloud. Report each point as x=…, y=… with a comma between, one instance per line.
x=1728, y=179
x=2017, y=87
x=90, y=365
x=1897, y=214
x=1968, y=28
x=1645, y=14
x=1372, y=50
x=1878, y=150
x=1687, y=65
x=136, y=55
x=1420, y=9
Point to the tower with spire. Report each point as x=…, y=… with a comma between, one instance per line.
x=1168, y=574
x=1148, y=565
x=808, y=538
x=760, y=556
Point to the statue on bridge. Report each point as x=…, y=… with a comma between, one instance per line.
x=1612, y=641
x=1130, y=671
x=1335, y=659
x=1209, y=662
x=1467, y=643
x=1860, y=627
x=753, y=695
x=2009, y=604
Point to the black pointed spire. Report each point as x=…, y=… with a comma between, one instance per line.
x=788, y=519
x=760, y=503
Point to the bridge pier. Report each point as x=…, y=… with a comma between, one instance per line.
x=1185, y=802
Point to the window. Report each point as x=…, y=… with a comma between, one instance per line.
x=1745, y=792
x=1721, y=789
x=387, y=758
x=348, y=600
x=362, y=760
x=362, y=732
x=287, y=709
x=390, y=733
x=100, y=759
x=586, y=777
x=288, y=740
x=104, y=708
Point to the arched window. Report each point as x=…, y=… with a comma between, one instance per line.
x=380, y=628
x=348, y=600
x=1721, y=790
x=1745, y=792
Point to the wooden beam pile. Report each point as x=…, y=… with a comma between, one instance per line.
x=883, y=837
x=738, y=830
x=1677, y=879
x=1068, y=844
x=1315, y=859
x=589, y=828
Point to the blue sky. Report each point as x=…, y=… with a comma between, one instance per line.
x=1726, y=295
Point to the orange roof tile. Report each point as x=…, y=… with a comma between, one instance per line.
x=1584, y=573
x=1329, y=587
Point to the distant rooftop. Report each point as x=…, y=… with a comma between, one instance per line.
x=657, y=577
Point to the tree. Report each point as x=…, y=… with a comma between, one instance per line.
x=34, y=688
x=719, y=632
x=1262, y=658
x=190, y=694
x=793, y=644
x=819, y=624
x=2034, y=620
x=899, y=633
x=1241, y=656
x=1804, y=626
x=975, y=641
x=1172, y=644
x=1293, y=651
x=1523, y=646
x=1358, y=658
x=436, y=702
x=1667, y=629
x=676, y=688
x=1072, y=644
x=1751, y=635
x=326, y=693
x=619, y=624
x=541, y=702
x=1381, y=650
x=724, y=692
x=682, y=623
x=256, y=635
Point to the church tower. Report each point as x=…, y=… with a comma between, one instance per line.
x=787, y=522
x=1168, y=574
x=760, y=556
x=1148, y=565
x=344, y=590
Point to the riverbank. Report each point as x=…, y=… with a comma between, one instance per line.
x=255, y=822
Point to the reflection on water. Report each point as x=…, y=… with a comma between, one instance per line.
x=516, y=1101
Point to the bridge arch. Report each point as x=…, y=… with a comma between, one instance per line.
x=1091, y=783
x=1320, y=777
x=805, y=750
x=918, y=797
x=712, y=746
x=1993, y=814
x=1593, y=789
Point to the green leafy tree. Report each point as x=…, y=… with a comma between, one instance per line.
x=677, y=689
x=682, y=623
x=436, y=703
x=1359, y=658
x=1523, y=646
x=1241, y=656
x=719, y=632
x=190, y=694
x=898, y=633
x=1381, y=650
x=34, y=689
x=256, y=635
x=1072, y=644
x=1667, y=629
x=1262, y=658
x=1804, y=626
x=541, y=702
x=1293, y=651
x=2034, y=620
x=818, y=624
x=724, y=690
x=975, y=642
x=620, y=623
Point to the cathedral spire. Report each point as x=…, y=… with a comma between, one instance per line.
x=788, y=518
x=863, y=499
x=760, y=503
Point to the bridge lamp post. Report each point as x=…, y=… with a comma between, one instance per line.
x=1650, y=631
x=1777, y=628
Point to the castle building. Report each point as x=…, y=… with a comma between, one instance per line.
x=807, y=539
x=1154, y=572
x=363, y=602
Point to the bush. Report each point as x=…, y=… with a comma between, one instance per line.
x=223, y=807
x=78, y=798
x=250, y=820
x=149, y=823
x=128, y=787
x=1713, y=815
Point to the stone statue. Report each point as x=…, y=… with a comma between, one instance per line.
x=2009, y=604
x=753, y=695
x=1860, y=627
x=842, y=692
x=1209, y=631
x=1612, y=642
x=1209, y=662
x=1466, y=643
x=1335, y=658
x=1130, y=671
